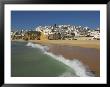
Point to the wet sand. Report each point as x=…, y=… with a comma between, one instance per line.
x=88, y=52
x=90, y=57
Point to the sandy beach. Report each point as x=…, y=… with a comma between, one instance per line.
x=88, y=52
x=81, y=43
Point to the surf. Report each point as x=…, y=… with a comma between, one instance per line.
x=42, y=48
x=76, y=65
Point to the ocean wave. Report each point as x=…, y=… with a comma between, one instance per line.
x=77, y=66
x=42, y=48
x=67, y=74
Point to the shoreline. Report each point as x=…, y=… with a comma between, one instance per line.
x=88, y=52
x=89, y=55
x=20, y=40
x=80, y=43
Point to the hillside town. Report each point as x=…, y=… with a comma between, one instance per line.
x=57, y=32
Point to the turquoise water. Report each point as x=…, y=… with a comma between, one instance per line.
x=28, y=61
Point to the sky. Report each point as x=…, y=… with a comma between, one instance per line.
x=32, y=19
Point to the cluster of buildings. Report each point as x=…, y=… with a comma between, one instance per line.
x=58, y=32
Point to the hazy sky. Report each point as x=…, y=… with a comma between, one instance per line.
x=32, y=19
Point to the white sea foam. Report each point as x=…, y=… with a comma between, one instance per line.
x=76, y=65
x=67, y=74
x=42, y=48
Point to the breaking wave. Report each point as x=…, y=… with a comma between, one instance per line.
x=79, y=68
x=42, y=48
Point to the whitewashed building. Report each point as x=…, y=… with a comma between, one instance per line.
x=79, y=31
x=95, y=34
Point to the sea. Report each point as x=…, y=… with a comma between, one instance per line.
x=34, y=60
